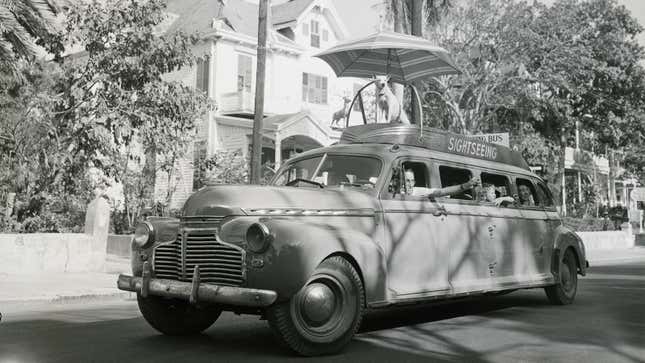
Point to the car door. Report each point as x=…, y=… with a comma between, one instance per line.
x=415, y=226
x=465, y=231
x=500, y=230
x=552, y=222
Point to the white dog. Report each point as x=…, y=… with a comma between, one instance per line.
x=389, y=107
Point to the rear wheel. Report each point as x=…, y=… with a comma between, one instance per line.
x=564, y=292
x=323, y=316
x=176, y=317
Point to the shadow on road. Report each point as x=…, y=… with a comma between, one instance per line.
x=604, y=324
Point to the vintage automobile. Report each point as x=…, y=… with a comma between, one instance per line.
x=338, y=233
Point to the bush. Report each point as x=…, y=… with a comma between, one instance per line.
x=588, y=224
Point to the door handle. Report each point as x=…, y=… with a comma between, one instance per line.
x=441, y=210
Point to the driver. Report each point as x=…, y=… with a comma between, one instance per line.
x=410, y=189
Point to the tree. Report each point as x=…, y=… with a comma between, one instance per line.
x=23, y=24
x=111, y=100
x=115, y=94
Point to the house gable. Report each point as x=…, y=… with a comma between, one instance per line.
x=297, y=17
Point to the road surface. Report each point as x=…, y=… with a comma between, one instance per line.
x=605, y=324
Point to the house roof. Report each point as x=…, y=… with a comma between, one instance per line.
x=238, y=16
x=289, y=11
x=273, y=122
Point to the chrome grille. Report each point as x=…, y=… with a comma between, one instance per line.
x=219, y=263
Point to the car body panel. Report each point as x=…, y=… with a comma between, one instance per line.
x=404, y=250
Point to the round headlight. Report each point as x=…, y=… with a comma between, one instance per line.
x=143, y=235
x=258, y=237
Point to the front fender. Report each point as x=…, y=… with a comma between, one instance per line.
x=301, y=244
x=565, y=238
x=165, y=229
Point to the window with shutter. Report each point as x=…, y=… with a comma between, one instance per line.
x=314, y=88
x=244, y=73
x=315, y=34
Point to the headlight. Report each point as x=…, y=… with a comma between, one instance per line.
x=143, y=236
x=258, y=237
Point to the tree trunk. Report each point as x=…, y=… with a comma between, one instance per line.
x=612, y=178
x=417, y=29
x=399, y=20
x=150, y=175
x=563, y=191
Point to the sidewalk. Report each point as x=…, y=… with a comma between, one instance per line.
x=65, y=287
x=61, y=288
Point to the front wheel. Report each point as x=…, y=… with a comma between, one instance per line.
x=564, y=292
x=323, y=316
x=176, y=317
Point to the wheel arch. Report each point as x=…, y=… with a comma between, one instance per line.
x=568, y=239
x=356, y=266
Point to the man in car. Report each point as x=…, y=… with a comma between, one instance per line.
x=410, y=188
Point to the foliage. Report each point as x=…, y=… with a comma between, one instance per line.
x=223, y=167
x=588, y=224
x=548, y=66
x=583, y=206
x=78, y=124
x=23, y=25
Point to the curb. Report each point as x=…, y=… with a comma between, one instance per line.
x=610, y=261
x=71, y=299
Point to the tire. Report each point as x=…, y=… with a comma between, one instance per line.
x=336, y=287
x=176, y=317
x=564, y=292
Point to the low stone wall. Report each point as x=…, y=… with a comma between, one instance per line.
x=119, y=245
x=28, y=253
x=49, y=252
x=603, y=240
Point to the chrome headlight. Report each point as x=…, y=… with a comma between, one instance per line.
x=143, y=235
x=258, y=237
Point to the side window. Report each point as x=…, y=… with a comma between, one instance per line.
x=412, y=184
x=493, y=186
x=455, y=176
x=416, y=179
x=527, y=193
x=544, y=195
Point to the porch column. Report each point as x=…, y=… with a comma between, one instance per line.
x=278, y=151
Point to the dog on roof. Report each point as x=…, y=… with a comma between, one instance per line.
x=390, y=109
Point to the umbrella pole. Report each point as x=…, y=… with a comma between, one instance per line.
x=418, y=99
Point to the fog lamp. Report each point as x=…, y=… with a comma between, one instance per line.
x=143, y=235
x=258, y=237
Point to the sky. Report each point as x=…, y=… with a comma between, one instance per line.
x=362, y=16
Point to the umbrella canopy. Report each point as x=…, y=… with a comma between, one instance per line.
x=404, y=57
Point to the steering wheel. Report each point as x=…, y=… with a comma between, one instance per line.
x=297, y=180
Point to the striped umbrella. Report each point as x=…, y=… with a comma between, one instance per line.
x=404, y=57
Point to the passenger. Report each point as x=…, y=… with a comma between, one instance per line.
x=526, y=198
x=410, y=188
x=488, y=194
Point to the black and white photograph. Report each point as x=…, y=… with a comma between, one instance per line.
x=322, y=181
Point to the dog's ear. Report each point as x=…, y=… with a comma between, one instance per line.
x=387, y=78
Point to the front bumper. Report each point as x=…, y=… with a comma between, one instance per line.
x=196, y=291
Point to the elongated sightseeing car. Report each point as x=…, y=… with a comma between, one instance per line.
x=385, y=217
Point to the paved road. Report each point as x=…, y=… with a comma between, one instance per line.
x=606, y=324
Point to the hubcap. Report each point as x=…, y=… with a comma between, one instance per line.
x=318, y=303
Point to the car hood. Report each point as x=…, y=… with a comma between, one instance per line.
x=236, y=199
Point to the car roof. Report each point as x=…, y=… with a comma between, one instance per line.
x=389, y=152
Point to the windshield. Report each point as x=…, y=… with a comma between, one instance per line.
x=334, y=171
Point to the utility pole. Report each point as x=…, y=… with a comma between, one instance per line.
x=256, y=147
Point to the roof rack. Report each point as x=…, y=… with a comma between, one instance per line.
x=432, y=139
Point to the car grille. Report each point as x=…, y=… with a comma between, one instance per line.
x=219, y=263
